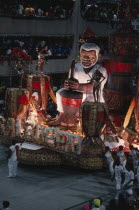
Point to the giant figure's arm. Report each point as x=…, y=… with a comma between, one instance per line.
x=87, y=86
x=81, y=87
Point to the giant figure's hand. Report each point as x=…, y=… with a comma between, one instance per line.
x=74, y=85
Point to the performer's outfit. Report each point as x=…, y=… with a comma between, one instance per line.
x=122, y=158
x=83, y=77
x=110, y=162
x=137, y=174
x=13, y=161
x=129, y=175
x=118, y=170
x=134, y=155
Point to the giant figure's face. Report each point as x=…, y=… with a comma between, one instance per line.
x=88, y=58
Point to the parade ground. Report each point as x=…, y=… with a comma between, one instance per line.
x=51, y=188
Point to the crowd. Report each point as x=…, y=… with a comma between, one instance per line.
x=60, y=9
x=52, y=46
x=99, y=11
x=124, y=170
x=112, y=12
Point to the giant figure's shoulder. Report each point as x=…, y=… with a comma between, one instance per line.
x=78, y=66
x=102, y=70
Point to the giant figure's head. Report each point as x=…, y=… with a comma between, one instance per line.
x=89, y=54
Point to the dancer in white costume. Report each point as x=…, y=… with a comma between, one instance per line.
x=135, y=157
x=13, y=159
x=122, y=157
x=110, y=160
x=84, y=72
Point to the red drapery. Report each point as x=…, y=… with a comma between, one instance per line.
x=36, y=85
x=71, y=102
x=22, y=100
x=121, y=67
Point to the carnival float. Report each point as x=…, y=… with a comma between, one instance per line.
x=77, y=141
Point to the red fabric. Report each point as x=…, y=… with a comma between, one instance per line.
x=85, y=116
x=22, y=100
x=88, y=32
x=121, y=67
x=65, y=138
x=36, y=85
x=17, y=52
x=71, y=102
x=101, y=116
x=117, y=120
x=46, y=85
x=25, y=55
x=119, y=95
x=126, y=149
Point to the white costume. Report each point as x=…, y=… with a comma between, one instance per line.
x=12, y=162
x=128, y=176
x=118, y=170
x=110, y=162
x=122, y=158
x=82, y=77
x=134, y=155
x=137, y=175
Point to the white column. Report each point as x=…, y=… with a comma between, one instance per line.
x=18, y=127
x=37, y=131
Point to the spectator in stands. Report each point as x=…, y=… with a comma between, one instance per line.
x=9, y=52
x=47, y=52
x=20, y=9
x=21, y=43
x=39, y=12
x=55, y=9
x=58, y=51
x=55, y=46
x=100, y=10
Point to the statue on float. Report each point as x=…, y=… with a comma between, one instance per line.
x=86, y=83
x=30, y=103
x=39, y=87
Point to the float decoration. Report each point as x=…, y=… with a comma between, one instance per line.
x=45, y=145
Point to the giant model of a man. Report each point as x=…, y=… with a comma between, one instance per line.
x=84, y=72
